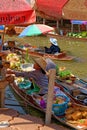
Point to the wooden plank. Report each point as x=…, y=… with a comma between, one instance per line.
x=52, y=75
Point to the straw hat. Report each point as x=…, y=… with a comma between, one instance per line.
x=54, y=41
x=41, y=62
x=45, y=64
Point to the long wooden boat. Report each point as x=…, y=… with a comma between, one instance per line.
x=76, y=88
x=36, y=52
x=61, y=56
x=75, y=115
x=70, y=111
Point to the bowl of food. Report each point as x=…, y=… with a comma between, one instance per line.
x=27, y=67
x=26, y=84
x=60, y=104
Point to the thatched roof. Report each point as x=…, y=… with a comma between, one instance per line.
x=75, y=9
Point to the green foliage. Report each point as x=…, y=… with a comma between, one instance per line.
x=27, y=56
x=77, y=34
x=64, y=73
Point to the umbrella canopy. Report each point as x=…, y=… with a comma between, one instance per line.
x=16, y=12
x=35, y=29
x=75, y=9
x=50, y=9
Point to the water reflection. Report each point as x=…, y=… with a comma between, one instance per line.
x=11, y=101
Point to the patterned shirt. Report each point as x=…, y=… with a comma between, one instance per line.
x=39, y=78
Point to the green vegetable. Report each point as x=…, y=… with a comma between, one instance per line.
x=64, y=73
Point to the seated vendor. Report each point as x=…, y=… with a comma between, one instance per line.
x=9, y=45
x=38, y=75
x=54, y=48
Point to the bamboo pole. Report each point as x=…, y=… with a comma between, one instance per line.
x=52, y=74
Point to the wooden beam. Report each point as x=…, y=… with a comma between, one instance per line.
x=52, y=74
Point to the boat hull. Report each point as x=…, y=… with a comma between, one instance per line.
x=30, y=101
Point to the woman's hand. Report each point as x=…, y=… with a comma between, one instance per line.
x=9, y=71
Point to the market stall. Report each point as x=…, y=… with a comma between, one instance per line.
x=78, y=22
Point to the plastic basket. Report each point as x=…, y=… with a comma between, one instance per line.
x=59, y=109
x=26, y=84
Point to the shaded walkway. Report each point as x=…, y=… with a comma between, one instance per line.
x=10, y=119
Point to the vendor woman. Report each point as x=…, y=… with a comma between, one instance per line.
x=38, y=75
x=54, y=48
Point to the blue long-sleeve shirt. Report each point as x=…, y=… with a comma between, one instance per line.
x=52, y=50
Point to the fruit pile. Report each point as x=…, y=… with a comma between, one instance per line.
x=14, y=60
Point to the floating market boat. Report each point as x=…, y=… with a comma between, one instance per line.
x=38, y=52
x=61, y=56
x=75, y=87
x=64, y=108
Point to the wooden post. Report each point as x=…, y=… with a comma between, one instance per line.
x=86, y=27
x=2, y=97
x=52, y=74
x=78, y=27
x=3, y=85
x=71, y=27
x=44, y=20
x=57, y=25
x=61, y=22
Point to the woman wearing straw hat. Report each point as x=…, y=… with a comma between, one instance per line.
x=42, y=66
x=54, y=48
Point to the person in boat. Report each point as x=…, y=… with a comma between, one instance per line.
x=9, y=45
x=38, y=75
x=54, y=48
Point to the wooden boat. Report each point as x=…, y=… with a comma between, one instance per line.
x=70, y=111
x=61, y=56
x=36, y=52
x=74, y=116
x=76, y=88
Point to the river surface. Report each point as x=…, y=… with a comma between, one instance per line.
x=12, y=102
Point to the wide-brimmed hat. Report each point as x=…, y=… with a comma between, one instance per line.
x=45, y=64
x=54, y=41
